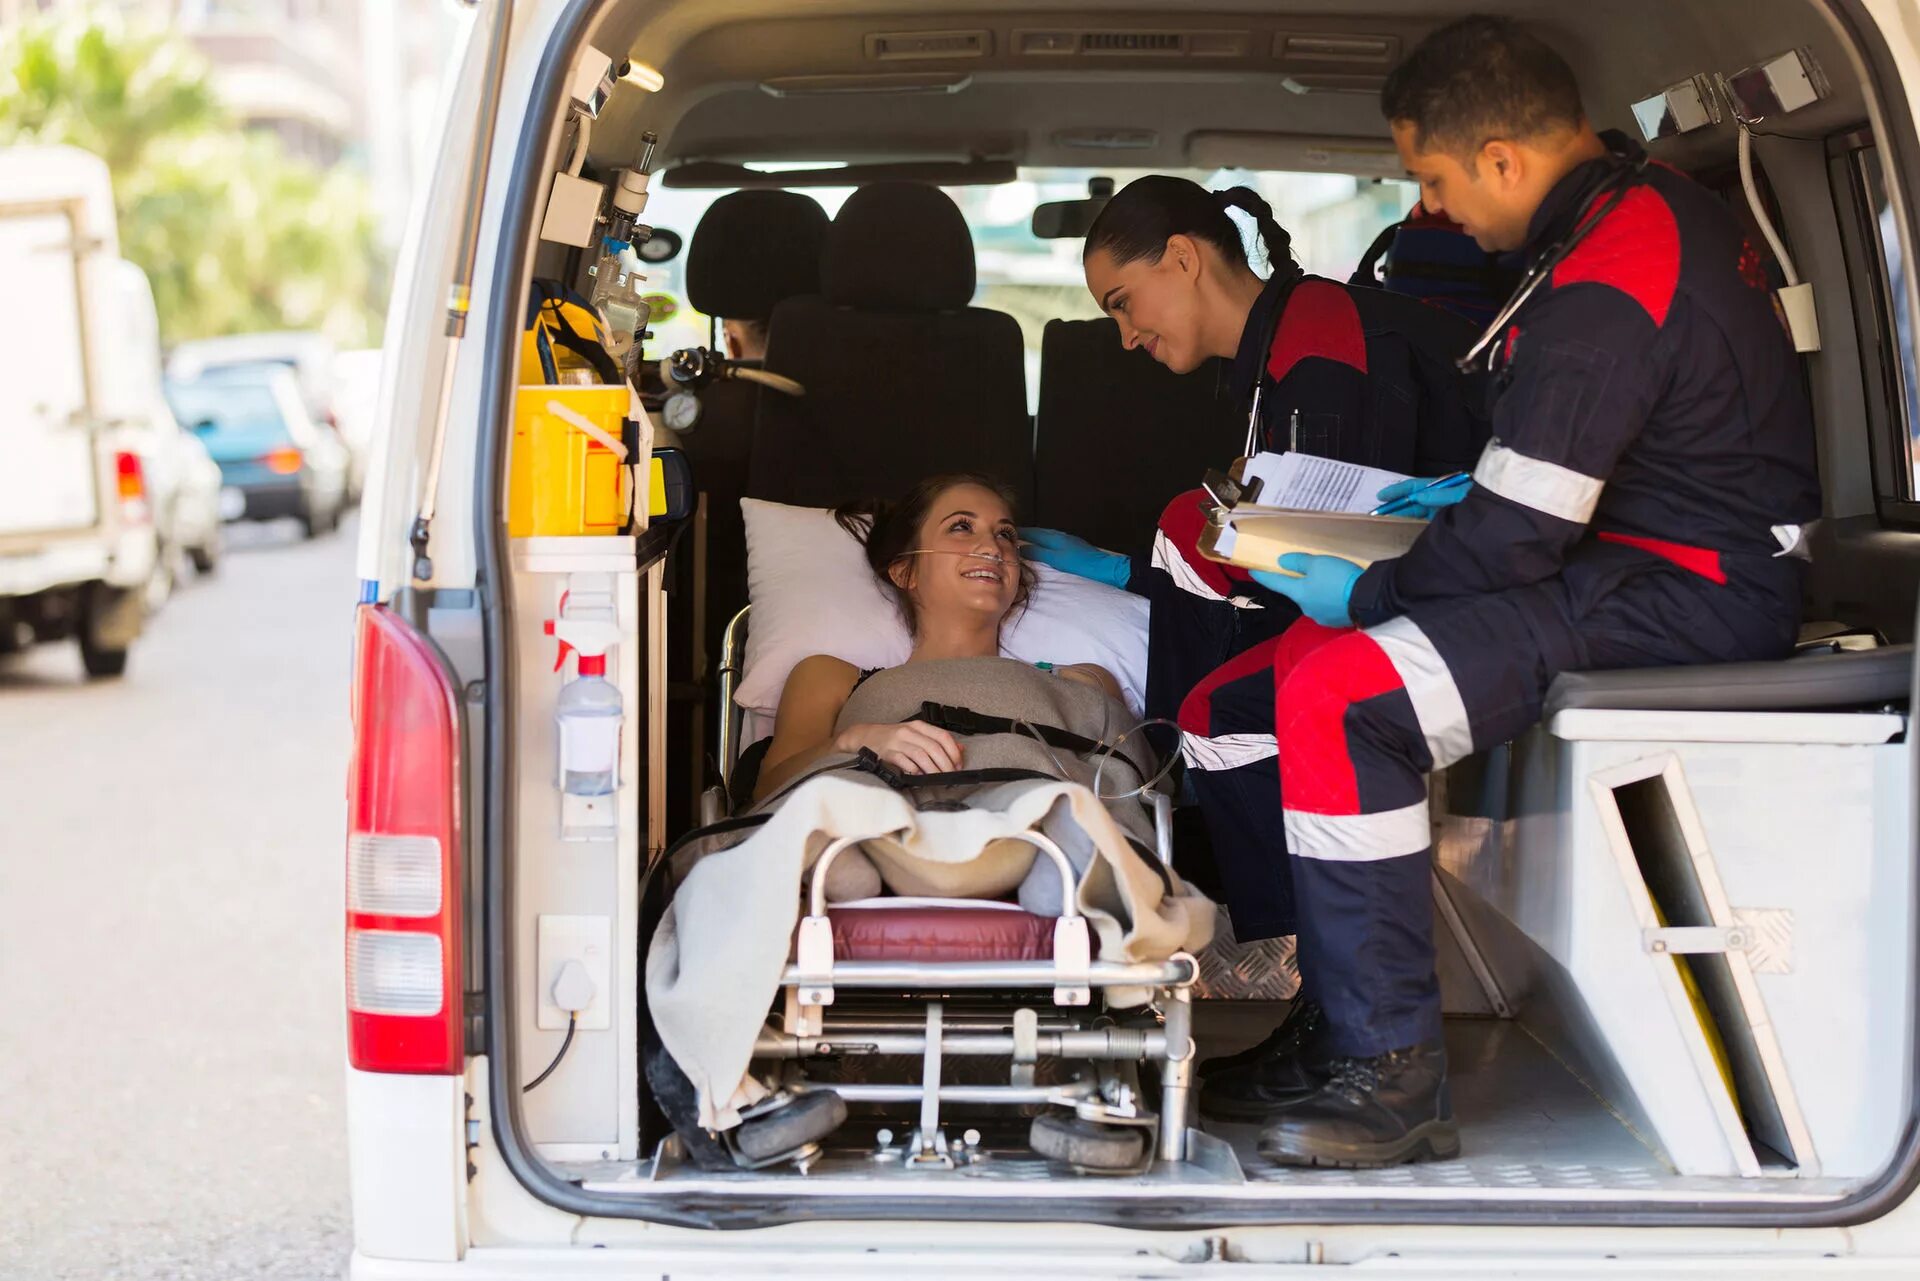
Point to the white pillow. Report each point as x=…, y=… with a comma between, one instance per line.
x=813, y=593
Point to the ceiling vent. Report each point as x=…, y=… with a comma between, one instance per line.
x=895, y=46
x=1303, y=83
x=1107, y=139
x=1166, y=44
x=1337, y=50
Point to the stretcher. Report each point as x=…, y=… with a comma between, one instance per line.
x=918, y=983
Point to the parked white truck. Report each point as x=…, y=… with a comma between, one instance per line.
x=78, y=545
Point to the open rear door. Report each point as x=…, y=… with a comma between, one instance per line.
x=49, y=467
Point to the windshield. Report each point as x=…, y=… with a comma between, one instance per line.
x=1331, y=217
x=231, y=406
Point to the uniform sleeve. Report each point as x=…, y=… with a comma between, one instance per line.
x=1587, y=366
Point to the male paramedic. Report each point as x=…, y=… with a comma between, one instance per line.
x=1640, y=504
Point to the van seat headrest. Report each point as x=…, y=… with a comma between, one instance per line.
x=753, y=249
x=899, y=246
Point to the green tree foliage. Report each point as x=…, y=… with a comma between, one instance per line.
x=236, y=235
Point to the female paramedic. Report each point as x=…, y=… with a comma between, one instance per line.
x=1338, y=370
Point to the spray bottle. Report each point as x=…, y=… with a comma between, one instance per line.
x=588, y=712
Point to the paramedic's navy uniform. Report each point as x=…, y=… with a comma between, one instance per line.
x=1370, y=375
x=1652, y=460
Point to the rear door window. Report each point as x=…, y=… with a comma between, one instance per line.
x=1886, y=331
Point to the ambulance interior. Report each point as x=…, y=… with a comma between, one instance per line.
x=1676, y=920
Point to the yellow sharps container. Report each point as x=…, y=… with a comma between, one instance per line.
x=568, y=471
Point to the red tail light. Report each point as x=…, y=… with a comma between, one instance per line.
x=403, y=855
x=130, y=485
x=283, y=462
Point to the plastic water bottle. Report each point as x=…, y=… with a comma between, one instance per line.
x=589, y=713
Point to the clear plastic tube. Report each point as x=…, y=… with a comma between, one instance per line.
x=1105, y=753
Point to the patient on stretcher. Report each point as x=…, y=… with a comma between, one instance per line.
x=956, y=775
x=949, y=553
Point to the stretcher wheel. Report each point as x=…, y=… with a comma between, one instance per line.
x=809, y=1118
x=1088, y=1145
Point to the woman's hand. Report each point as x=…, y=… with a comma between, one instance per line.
x=913, y=747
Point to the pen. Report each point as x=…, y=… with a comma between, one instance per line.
x=1405, y=501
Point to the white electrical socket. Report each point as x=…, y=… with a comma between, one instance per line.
x=588, y=940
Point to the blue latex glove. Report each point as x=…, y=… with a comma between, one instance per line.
x=1412, y=497
x=1322, y=588
x=1076, y=556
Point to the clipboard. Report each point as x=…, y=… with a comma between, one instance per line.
x=1256, y=537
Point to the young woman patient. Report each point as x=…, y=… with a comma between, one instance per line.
x=949, y=552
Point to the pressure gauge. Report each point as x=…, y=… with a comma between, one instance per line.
x=682, y=411
x=661, y=246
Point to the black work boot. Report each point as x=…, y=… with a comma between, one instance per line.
x=1288, y=1066
x=1387, y=1110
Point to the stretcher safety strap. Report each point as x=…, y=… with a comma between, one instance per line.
x=1533, y=482
x=1358, y=838
x=1436, y=700
x=1227, y=751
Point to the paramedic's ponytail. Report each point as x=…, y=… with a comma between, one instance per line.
x=1136, y=224
x=1273, y=237
x=890, y=531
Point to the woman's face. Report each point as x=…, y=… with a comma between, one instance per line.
x=1157, y=304
x=968, y=559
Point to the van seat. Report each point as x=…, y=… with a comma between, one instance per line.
x=1097, y=401
x=904, y=379
x=1810, y=682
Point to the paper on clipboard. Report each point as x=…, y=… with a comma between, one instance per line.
x=1310, y=504
x=1306, y=482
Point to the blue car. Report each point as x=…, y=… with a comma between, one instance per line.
x=274, y=459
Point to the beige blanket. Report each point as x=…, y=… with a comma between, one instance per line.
x=714, y=966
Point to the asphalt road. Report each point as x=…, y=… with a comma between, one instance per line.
x=170, y=914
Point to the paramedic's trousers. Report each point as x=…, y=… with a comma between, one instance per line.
x=1204, y=615
x=1360, y=717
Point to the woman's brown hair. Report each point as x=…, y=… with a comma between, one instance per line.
x=891, y=530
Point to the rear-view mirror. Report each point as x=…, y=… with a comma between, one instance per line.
x=1072, y=219
x=1066, y=219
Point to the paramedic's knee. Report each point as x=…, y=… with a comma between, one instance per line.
x=1178, y=515
x=1180, y=524
x=1336, y=698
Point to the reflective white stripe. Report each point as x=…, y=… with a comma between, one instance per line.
x=1793, y=542
x=1166, y=556
x=1359, y=838
x=1228, y=751
x=1543, y=486
x=1436, y=700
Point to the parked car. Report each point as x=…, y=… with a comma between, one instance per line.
x=189, y=517
x=274, y=460
x=1676, y=921
x=80, y=413
x=310, y=357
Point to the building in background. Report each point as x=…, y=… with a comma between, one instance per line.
x=352, y=82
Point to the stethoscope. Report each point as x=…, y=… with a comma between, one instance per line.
x=1616, y=188
x=1259, y=379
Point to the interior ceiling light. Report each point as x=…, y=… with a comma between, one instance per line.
x=644, y=76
